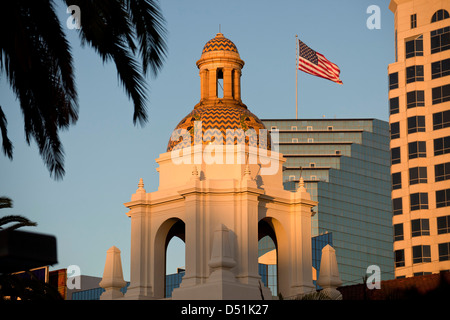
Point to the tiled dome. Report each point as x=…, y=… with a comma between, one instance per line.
x=219, y=119
x=219, y=43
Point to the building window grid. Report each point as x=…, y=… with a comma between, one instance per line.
x=396, y=180
x=440, y=94
x=443, y=225
x=420, y=227
x=393, y=81
x=417, y=149
x=416, y=124
x=415, y=99
x=399, y=258
x=414, y=73
x=441, y=146
x=442, y=198
x=395, y=155
x=418, y=201
x=394, y=106
x=397, y=206
x=395, y=130
x=444, y=251
x=417, y=175
x=398, y=232
x=442, y=172
x=414, y=21
x=421, y=253
x=440, y=40
x=414, y=47
x=440, y=69
x=441, y=120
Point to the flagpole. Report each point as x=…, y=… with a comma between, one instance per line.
x=296, y=77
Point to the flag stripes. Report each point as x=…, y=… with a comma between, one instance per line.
x=316, y=64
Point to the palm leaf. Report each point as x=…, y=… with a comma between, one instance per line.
x=21, y=222
x=5, y=203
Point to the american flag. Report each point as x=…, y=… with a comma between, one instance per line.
x=314, y=63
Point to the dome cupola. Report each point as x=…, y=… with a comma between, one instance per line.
x=220, y=107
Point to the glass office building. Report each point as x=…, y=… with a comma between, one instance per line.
x=345, y=164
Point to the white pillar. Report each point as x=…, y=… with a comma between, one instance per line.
x=112, y=280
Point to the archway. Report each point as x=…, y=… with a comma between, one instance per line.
x=169, y=229
x=175, y=260
x=268, y=255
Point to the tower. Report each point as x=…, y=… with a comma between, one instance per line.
x=419, y=99
x=220, y=191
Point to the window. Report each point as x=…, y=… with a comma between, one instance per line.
x=441, y=120
x=398, y=232
x=421, y=254
x=312, y=165
x=309, y=128
x=420, y=227
x=413, y=21
x=416, y=124
x=415, y=99
x=442, y=172
x=395, y=130
x=397, y=180
x=399, y=258
x=443, y=198
x=417, y=149
x=440, y=69
x=441, y=94
x=441, y=146
x=414, y=47
x=440, y=40
x=397, y=206
x=294, y=140
x=273, y=128
x=330, y=128
x=418, y=201
x=310, y=140
x=439, y=15
x=443, y=225
x=294, y=128
x=444, y=251
x=393, y=80
x=414, y=73
x=417, y=175
x=393, y=105
x=395, y=155
x=291, y=178
x=313, y=178
x=338, y=152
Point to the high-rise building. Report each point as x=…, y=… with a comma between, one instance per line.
x=345, y=167
x=419, y=104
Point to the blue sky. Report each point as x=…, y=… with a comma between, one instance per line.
x=105, y=154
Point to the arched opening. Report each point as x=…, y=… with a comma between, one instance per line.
x=174, y=257
x=268, y=256
x=219, y=84
x=440, y=15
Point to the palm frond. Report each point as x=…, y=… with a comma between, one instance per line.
x=113, y=28
x=20, y=222
x=6, y=143
x=37, y=61
x=5, y=202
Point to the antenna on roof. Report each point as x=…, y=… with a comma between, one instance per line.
x=219, y=29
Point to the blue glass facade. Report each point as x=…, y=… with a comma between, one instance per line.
x=345, y=164
x=94, y=293
x=173, y=281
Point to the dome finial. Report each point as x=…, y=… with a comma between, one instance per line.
x=140, y=186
